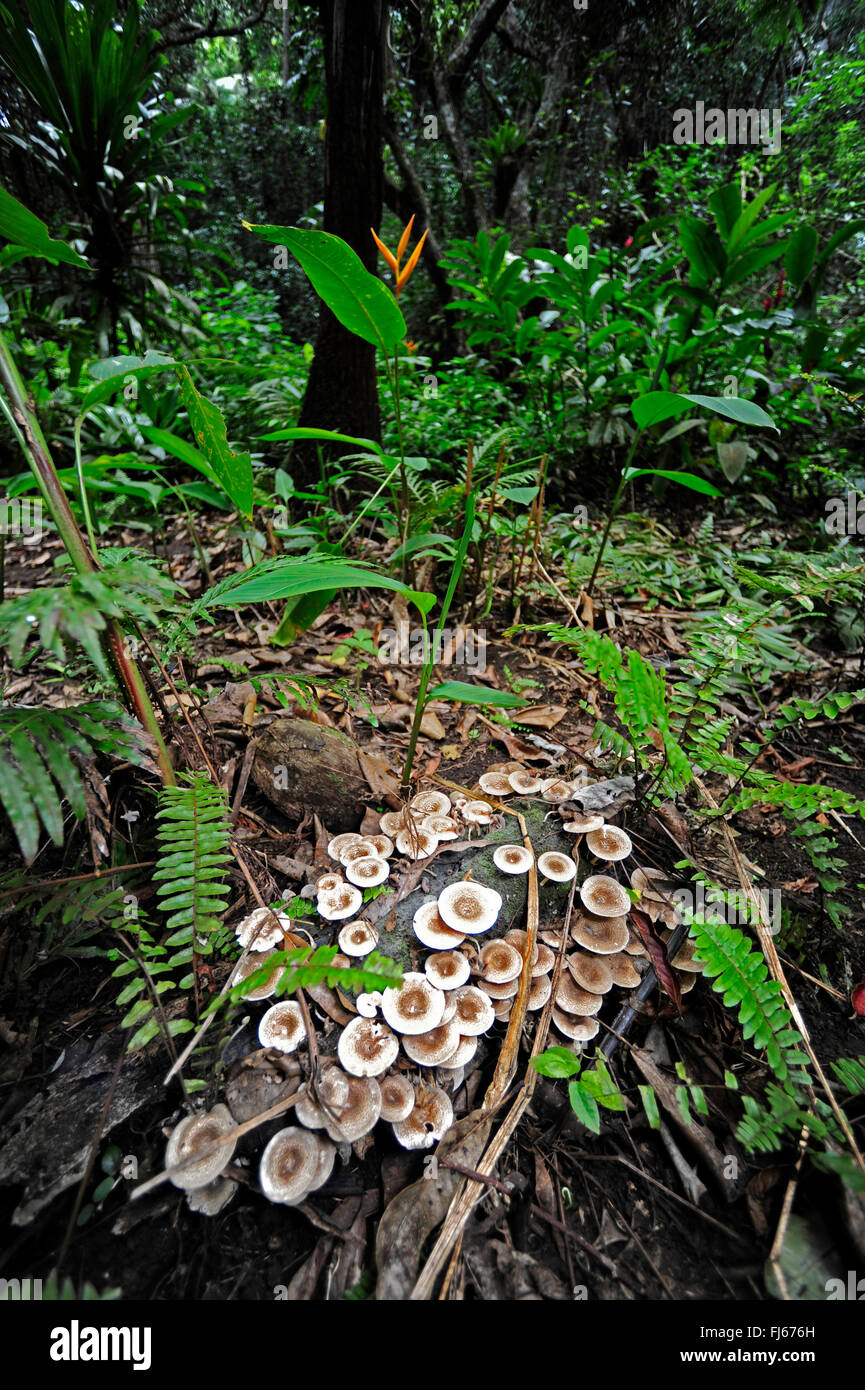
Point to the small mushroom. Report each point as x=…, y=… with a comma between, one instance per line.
x=416, y=1007
x=430, y=1117
x=289, y=1166
x=358, y=849
x=431, y=931
x=193, y=1135
x=447, y=969
x=582, y=824
x=477, y=812
x=463, y=1055
x=545, y=961
x=559, y=868
x=443, y=827
x=557, y=790
x=469, y=907
x=262, y=929
x=604, y=896
x=505, y=991
x=367, y=1047
x=368, y=1004
x=591, y=972
x=685, y=958
x=624, y=973
x=416, y=843
x=397, y=1097
x=519, y=938
x=580, y=1029
x=383, y=845
x=523, y=782
x=367, y=872
x=358, y=938
x=474, y=1011
x=500, y=962
x=542, y=988
x=431, y=804
x=513, y=859
x=252, y=964
x=282, y=1027
x=359, y=1114
x=495, y=784
x=341, y=903
x=611, y=843
x=502, y=1009
x=328, y=883
x=603, y=935
x=213, y=1198
x=432, y=1048
x=339, y=842
x=575, y=1000
x=391, y=823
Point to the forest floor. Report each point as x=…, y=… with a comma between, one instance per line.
x=680, y=1213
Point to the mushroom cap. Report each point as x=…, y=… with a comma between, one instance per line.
x=545, y=961
x=623, y=971
x=430, y=1049
x=308, y=1110
x=416, y=1008
x=432, y=931
x=254, y=962
x=603, y=935
x=358, y=938
x=513, y=859
x=367, y=872
x=194, y=1133
x=558, y=867
x=654, y=884
x=262, y=928
x=333, y=1089
x=504, y=991
x=575, y=1000
x=368, y=1004
x=326, y=1160
x=634, y=945
x=391, y=823
x=282, y=1027
x=542, y=988
x=416, y=843
x=524, y=782
x=397, y=1097
x=557, y=790
x=431, y=1116
x=687, y=979
x=464, y=1054
x=213, y=1198
x=580, y=1029
x=443, y=827
x=450, y=1006
x=341, y=903
x=611, y=843
x=361, y=848
x=500, y=961
x=685, y=957
x=289, y=1166
x=383, y=845
x=469, y=907
x=474, y=1011
x=502, y=1009
x=519, y=938
x=328, y=883
x=495, y=784
x=591, y=972
x=367, y=1047
x=359, y=1114
x=604, y=896
x=582, y=824
x=477, y=812
x=339, y=842
x=430, y=804
x=447, y=969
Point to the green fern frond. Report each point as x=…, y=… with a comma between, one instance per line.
x=194, y=854
x=38, y=768
x=765, y=1129
x=850, y=1071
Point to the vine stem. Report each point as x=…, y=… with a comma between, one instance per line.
x=42, y=466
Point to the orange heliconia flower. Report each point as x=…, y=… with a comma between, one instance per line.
x=401, y=277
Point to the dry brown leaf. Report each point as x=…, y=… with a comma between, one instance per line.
x=380, y=779
x=543, y=716
x=431, y=726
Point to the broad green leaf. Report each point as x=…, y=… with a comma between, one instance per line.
x=474, y=695
x=800, y=253
x=326, y=436
x=24, y=229
x=523, y=495
x=656, y=406
x=735, y=408
x=650, y=1105
x=111, y=374
x=689, y=480
x=702, y=246
x=179, y=449
x=232, y=471
x=584, y=1106
x=362, y=303
x=557, y=1061
x=748, y=215
x=725, y=204
x=297, y=577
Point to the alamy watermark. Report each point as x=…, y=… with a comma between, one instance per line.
x=737, y=126
x=712, y=905
x=407, y=646
x=21, y=516
x=845, y=516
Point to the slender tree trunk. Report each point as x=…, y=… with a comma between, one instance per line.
x=342, y=391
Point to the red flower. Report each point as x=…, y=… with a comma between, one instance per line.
x=630, y=241
x=857, y=998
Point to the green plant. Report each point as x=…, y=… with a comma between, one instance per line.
x=595, y=1088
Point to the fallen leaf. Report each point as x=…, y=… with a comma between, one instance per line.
x=431, y=726
x=380, y=779
x=543, y=716
x=451, y=751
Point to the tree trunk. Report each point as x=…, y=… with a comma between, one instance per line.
x=342, y=392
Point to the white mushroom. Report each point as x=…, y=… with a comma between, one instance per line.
x=367, y=872
x=415, y=1008
x=358, y=938
x=192, y=1136
x=513, y=859
x=367, y=1047
x=604, y=896
x=262, y=928
x=282, y=1027
x=469, y=907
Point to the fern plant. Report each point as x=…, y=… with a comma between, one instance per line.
x=193, y=841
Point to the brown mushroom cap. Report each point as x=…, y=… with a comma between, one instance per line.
x=333, y=1089
x=339, y=842
x=443, y=827
x=447, y=969
x=580, y=1029
x=520, y=939
x=469, y=907
x=557, y=790
x=582, y=824
x=253, y=963
x=367, y=872
x=603, y=935
x=574, y=1000
x=604, y=896
x=505, y=991
x=289, y=1166
x=560, y=868
x=634, y=945
x=611, y=843
x=687, y=979
x=341, y=903
x=367, y=1047
x=397, y=1097
x=383, y=845
x=359, y=1114
x=654, y=884
x=282, y=1027
x=542, y=988
x=463, y=1055
x=623, y=971
x=194, y=1134
x=590, y=972
x=358, y=849
x=392, y=822
x=416, y=1007
x=513, y=859
x=431, y=1116
x=262, y=928
x=502, y=1009
x=477, y=812
x=685, y=958
x=495, y=784
x=432, y=1048
x=358, y=938
x=328, y=883
x=523, y=782
x=500, y=962
x=430, y=804
x=416, y=843
x=545, y=961
x=474, y=1011
x=432, y=931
